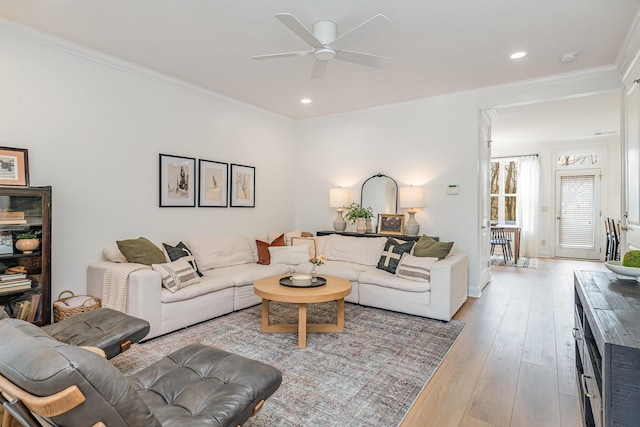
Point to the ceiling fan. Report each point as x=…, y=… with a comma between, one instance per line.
x=327, y=45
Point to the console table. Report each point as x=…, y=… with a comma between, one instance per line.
x=354, y=234
x=607, y=345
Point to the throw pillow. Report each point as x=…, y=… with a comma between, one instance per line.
x=113, y=254
x=141, y=251
x=391, y=254
x=427, y=247
x=180, y=251
x=264, y=257
x=292, y=255
x=177, y=274
x=415, y=268
x=310, y=242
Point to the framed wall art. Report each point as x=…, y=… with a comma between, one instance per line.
x=243, y=186
x=177, y=181
x=391, y=224
x=212, y=188
x=14, y=166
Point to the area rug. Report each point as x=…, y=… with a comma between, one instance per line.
x=369, y=375
x=524, y=262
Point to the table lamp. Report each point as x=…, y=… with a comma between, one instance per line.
x=338, y=198
x=411, y=198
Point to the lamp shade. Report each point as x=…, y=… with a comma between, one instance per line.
x=339, y=197
x=411, y=197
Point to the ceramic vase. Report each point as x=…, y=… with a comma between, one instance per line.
x=27, y=246
x=361, y=226
x=369, y=226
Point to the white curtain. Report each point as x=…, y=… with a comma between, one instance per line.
x=527, y=204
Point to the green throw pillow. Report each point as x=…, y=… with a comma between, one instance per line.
x=427, y=247
x=141, y=251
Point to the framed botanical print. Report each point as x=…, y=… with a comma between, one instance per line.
x=177, y=181
x=212, y=189
x=14, y=166
x=391, y=224
x=243, y=183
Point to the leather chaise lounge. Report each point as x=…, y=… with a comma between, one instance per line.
x=197, y=385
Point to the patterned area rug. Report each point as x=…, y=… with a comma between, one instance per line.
x=523, y=262
x=369, y=375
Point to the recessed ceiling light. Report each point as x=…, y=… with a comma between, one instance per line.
x=518, y=55
x=305, y=101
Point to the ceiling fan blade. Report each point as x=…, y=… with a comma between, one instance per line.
x=361, y=58
x=367, y=29
x=296, y=26
x=318, y=69
x=283, y=55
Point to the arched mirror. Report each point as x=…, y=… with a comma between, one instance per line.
x=381, y=193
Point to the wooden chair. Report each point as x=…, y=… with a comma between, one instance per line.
x=499, y=237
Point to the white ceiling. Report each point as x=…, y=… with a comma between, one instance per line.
x=564, y=120
x=434, y=47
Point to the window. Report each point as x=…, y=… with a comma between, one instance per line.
x=504, y=181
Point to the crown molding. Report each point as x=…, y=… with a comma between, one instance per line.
x=68, y=47
x=629, y=55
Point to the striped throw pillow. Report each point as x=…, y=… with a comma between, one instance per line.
x=415, y=268
x=177, y=274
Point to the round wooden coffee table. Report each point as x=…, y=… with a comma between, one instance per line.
x=270, y=289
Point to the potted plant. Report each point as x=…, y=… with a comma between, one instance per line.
x=356, y=213
x=28, y=241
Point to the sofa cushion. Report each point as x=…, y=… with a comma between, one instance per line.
x=359, y=250
x=292, y=255
x=391, y=254
x=346, y=270
x=427, y=247
x=177, y=274
x=112, y=253
x=264, y=257
x=179, y=251
x=415, y=268
x=309, y=242
x=382, y=278
x=215, y=252
x=246, y=274
x=206, y=285
x=141, y=251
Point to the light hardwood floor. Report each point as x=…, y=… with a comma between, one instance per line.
x=513, y=364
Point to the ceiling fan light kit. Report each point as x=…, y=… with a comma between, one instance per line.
x=327, y=45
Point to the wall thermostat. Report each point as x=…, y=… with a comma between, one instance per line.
x=453, y=189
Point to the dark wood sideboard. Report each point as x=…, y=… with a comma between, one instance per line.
x=607, y=343
x=354, y=234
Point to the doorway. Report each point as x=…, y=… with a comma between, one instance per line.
x=578, y=225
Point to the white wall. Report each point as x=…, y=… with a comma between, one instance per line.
x=94, y=133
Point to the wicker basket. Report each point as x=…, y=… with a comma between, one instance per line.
x=62, y=311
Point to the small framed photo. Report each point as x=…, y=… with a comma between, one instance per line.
x=212, y=188
x=177, y=181
x=243, y=186
x=14, y=166
x=391, y=224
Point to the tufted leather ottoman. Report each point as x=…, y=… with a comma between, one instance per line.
x=205, y=386
x=109, y=330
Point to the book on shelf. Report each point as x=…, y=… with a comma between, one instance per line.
x=33, y=308
x=13, y=289
x=6, y=277
x=7, y=215
x=23, y=309
x=10, y=283
x=12, y=221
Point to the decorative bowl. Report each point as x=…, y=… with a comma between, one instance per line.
x=629, y=273
x=301, y=280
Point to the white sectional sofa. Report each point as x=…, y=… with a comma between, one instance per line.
x=229, y=267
